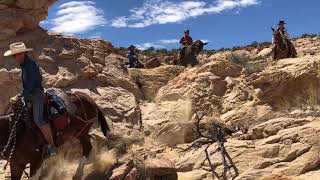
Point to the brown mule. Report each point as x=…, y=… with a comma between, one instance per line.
x=28, y=145
x=282, y=49
x=189, y=54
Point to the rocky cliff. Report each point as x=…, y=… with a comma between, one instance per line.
x=273, y=106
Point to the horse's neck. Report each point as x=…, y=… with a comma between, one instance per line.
x=4, y=130
x=278, y=37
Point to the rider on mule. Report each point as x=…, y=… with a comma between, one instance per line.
x=32, y=90
x=286, y=38
x=185, y=41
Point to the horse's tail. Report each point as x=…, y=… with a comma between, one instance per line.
x=103, y=123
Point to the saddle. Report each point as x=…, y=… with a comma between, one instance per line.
x=56, y=108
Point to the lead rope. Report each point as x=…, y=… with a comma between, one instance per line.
x=12, y=139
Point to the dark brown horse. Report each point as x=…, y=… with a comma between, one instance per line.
x=189, y=56
x=29, y=145
x=283, y=48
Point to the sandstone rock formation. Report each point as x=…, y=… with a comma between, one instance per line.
x=21, y=15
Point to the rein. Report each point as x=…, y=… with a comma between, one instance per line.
x=13, y=136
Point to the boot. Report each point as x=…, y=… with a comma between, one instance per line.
x=46, y=131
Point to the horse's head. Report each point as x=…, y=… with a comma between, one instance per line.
x=276, y=34
x=278, y=38
x=197, y=47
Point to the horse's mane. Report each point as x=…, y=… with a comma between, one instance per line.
x=196, y=42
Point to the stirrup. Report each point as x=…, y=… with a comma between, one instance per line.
x=51, y=150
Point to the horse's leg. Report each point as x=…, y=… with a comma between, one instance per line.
x=86, y=145
x=16, y=170
x=292, y=50
x=35, y=166
x=274, y=54
x=86, y=149
x=194, y=62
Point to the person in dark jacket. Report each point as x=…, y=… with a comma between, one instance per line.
x=185, y=41
x=132, y=57
x=32, y=90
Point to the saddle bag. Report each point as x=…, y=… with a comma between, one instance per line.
x=57, y=110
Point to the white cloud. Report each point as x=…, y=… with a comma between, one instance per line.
x=147, y=45
x=119, y=22
x=96, y=36
x=158, y=45
x=44, y=22
x=76, y=17
x=164, y=11
x=205, y=40
x=162, y=43
x=169, y=41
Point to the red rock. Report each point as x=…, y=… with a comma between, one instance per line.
x=122, y=171
x=159, y=167
x=132, y=175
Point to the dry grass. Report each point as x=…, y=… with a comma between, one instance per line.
x=64, y=165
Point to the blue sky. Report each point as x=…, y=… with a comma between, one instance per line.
x=160, y=23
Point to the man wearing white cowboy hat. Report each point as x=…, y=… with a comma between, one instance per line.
x=32, y=89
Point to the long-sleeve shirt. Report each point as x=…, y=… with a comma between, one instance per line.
x=31, y=77
x=131, y=55
x=186, y=41
x=284, y=33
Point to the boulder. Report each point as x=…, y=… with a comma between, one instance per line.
x=157, y=168
x=118, y=104
x=123, y=172
x=150, y=81
x=152, y=63
x=21, y=15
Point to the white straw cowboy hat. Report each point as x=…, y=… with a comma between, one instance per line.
x=16, y=48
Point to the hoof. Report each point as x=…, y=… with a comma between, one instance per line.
x=76, y=177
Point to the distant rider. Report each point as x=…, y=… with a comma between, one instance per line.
x=132, y=57
x=286, y=38
x=185, y=41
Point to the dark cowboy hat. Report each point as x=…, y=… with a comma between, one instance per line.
x=281, y=22
x=186, y=30
x=131, y=47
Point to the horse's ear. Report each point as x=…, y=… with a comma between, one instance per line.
x=205, y=43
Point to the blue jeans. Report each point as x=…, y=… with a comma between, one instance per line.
x=36, y=98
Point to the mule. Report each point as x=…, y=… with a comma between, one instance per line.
x=283, y=48
x=189, y=54
x=27, y=145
